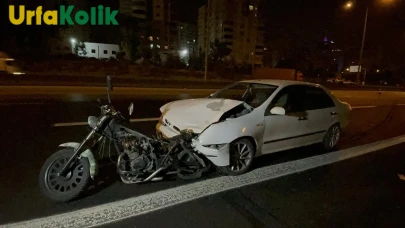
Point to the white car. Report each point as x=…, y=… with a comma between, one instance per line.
x=248, y=119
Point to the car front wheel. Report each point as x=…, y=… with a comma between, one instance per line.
x=241, y=157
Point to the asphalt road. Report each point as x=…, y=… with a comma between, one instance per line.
x=28, y=138
x=360, y=192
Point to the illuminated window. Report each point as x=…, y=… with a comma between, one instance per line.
x=151, y=38
x=251, y=7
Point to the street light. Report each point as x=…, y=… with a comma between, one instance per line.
x=349, y=5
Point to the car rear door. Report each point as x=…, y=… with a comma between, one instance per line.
x=321, y=111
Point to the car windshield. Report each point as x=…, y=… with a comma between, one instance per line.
x=254, y=94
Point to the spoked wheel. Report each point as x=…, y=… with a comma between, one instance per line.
x=241, y=157
x=68, y=187
x=189, y=167
x=331, y=137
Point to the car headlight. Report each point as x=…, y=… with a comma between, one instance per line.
x=215, y=146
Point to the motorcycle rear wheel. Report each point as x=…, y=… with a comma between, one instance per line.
x=63, y=189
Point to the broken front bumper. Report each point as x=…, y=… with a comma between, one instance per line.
x=219, y=157
x=165, y=131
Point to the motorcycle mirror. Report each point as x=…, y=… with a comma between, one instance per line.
x=109, y=83
x=131, y=108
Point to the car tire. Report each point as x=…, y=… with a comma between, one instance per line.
x=331, y=137
x=241, y=153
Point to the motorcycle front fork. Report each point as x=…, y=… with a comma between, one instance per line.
x=76, y=153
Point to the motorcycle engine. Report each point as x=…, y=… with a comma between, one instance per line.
x=138, y=155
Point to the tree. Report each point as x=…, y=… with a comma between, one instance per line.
x=156, y=59
x=134, y=47
x=219, y=50
x=174, y=62
x=197, y=62
x=130, y=29
x=80, y=49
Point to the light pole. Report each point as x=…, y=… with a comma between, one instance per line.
x=207, y=40
x=349, y=5
x=362, y=47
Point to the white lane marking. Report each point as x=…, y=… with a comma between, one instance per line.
x=85, y=123
x=362, y=107
x=123, y=209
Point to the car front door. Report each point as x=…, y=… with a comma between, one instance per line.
x=321, y=111
x=283, y=132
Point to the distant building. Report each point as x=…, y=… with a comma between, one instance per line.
x=201, y=29
x=236, y=23
x=329, y=56
x=158, y=26
x=100, y=51
x=134, y=8
x=91, y=50
x=164, y=35
x=187, y=38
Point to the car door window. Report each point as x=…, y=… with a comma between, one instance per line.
x=316, y=98
x=290, y=98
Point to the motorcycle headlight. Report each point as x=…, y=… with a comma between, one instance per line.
x=92, y=121
x=188, y=133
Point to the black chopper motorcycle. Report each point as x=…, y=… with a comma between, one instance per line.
x=68, y=172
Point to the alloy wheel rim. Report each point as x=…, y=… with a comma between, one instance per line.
x=241, y=156
x=333, y=136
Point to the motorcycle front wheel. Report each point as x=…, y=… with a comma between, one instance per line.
x=63, y=188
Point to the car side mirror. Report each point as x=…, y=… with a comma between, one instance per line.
x=279, y=111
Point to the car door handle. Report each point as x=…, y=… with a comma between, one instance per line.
x=333, y=113
x=302, y=118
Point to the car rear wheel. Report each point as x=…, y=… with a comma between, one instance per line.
x=331, y=137
x=241, y=157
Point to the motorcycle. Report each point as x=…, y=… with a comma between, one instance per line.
x=66, y=174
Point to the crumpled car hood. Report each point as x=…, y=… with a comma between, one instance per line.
x=196, y=114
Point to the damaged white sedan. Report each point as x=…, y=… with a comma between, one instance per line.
x=251, y=118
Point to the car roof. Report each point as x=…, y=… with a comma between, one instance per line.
x=281, y=83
